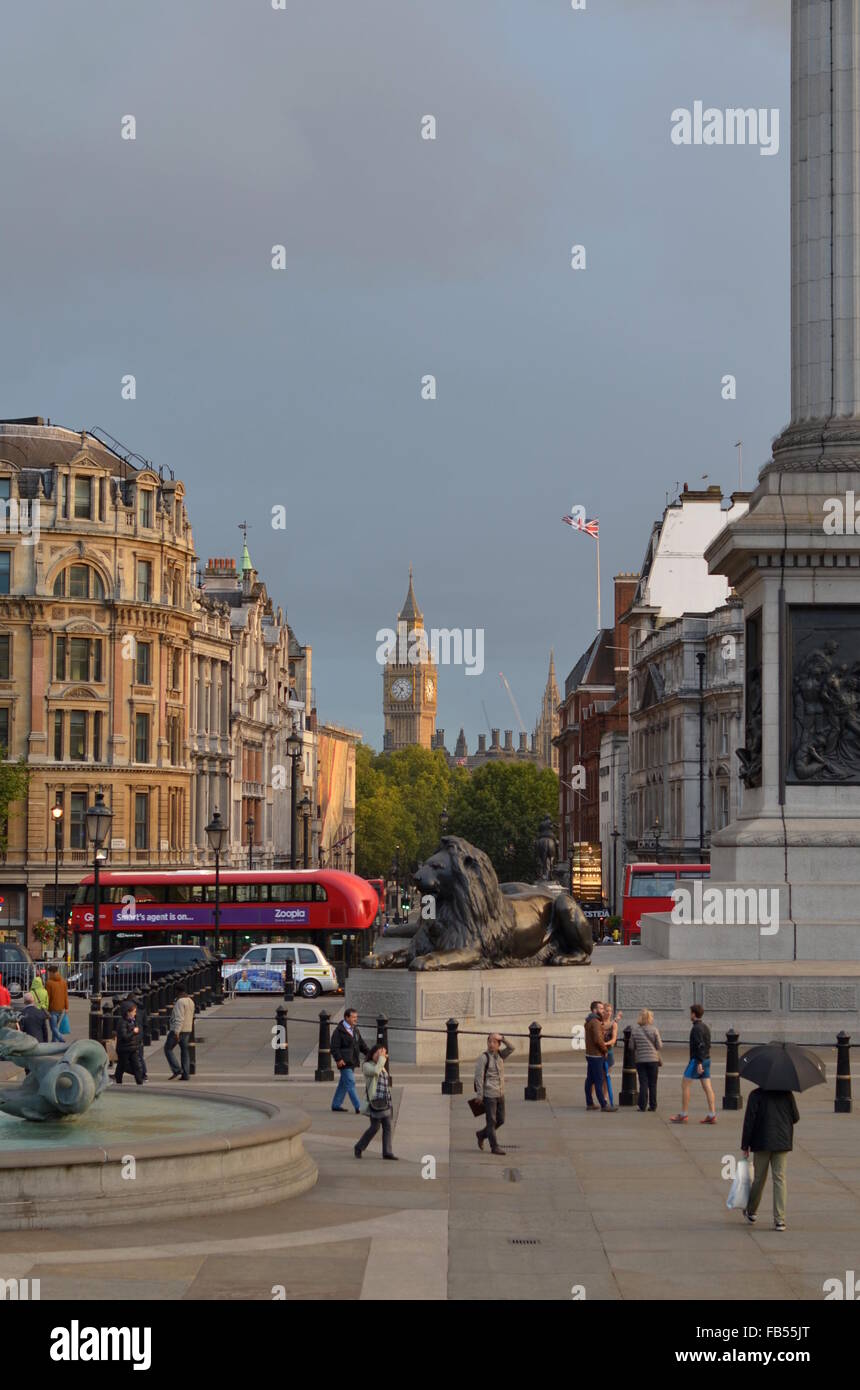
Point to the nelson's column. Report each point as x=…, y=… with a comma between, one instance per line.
x=794, y=564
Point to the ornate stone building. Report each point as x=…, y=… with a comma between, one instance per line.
x=409, y=686
x=249, y=719
x=96, y=620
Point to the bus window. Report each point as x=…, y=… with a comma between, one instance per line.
x=652, y=885
x=247, y=893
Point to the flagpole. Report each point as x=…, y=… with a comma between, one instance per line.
x=597, y=539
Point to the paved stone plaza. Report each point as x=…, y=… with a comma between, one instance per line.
x=625, y=1205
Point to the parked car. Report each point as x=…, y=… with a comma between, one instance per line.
x=17, y=967
x=128, y=968
x=264, y=966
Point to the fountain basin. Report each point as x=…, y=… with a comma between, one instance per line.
x=192, y=1152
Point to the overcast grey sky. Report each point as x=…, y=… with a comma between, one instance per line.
x=404, y=257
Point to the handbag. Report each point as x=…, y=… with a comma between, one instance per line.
x=63, y=1025
x=476, y=1103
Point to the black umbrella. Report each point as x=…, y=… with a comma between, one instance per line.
x=782, y=1066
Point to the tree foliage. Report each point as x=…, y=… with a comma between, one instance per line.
x=14, y=781
x=400, y=798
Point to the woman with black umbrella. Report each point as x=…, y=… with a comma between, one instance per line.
x=771, y=1114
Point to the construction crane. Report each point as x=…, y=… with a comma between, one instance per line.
x=503, y=678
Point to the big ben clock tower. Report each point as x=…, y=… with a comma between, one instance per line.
x=409, y=685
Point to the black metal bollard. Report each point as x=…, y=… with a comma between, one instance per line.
x=535, y=1089
x=192, y=1049
x=382, y=1038
x=108, y=1008
x=144, y=1015
x=282, y=1049
x=452, y=1085
x=324, y=1070
x=842, y=1103
x=95, y=1018
x=289, y=982
x=732, y=1099
x=629, y=1075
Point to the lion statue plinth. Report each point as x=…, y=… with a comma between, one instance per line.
x=478, y=927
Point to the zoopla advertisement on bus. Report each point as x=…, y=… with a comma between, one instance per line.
x=203, y=915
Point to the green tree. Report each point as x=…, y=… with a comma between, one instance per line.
x=499, y=808
x=14, y=781
x=399, y=800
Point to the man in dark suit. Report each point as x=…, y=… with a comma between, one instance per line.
x=347, y=1049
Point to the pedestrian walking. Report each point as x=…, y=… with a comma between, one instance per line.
x=595, y=1051
x=34, y=1020
x=610, y=1037
x=40, y=994
x=379, y=1103
x=698, y=1069
x=5, y=996
x=647, y=1047
x=768, y=1131
x=129, y=1044
x=347, y=1049
x=58, y=1001
x=490, y=1088
x=179, y=1034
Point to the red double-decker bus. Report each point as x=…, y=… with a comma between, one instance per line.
x=328, y=907
x=648, y=888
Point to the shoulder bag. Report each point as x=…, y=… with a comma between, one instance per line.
x=476, y=1104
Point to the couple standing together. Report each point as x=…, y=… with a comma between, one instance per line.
x=347, y=1049
x=601, y=1034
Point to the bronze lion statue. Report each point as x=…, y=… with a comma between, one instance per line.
x=477, y=926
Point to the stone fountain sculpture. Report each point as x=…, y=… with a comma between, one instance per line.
x=61, y=1079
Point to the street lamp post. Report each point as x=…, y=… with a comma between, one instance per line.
x=615, y=833
x=657, y=833
x=98, y=819
x=294, y=749
x=395, y=868
x=249, y=826
x=306, y=821
x=316, y=832
x=700, y=658
x=57, y=815
x=216, y=833
x=349, y=855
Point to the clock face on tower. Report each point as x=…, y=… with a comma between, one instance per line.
x=401, y=688
x=429, y=689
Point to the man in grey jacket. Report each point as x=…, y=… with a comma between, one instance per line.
x=490, y=1087
x=181, y=1024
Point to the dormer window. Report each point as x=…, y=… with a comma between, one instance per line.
x=146, y=507
x=83, y=499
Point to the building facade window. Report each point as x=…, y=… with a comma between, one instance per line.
x=143, y=663
x=79, y=581
x=64, y=495
x=77, y=735
x=78, y=659
x=77, y=822
x=5, y=657
x=176, y=669
x=141, y=738
x=146, y=507
x=58, y=736
x=144, y=581
x=4, y=731
x=141, y=820
x=5, y=571
x=97, y=736
x=83, y=499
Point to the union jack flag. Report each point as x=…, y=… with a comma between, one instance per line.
x=592, y=525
